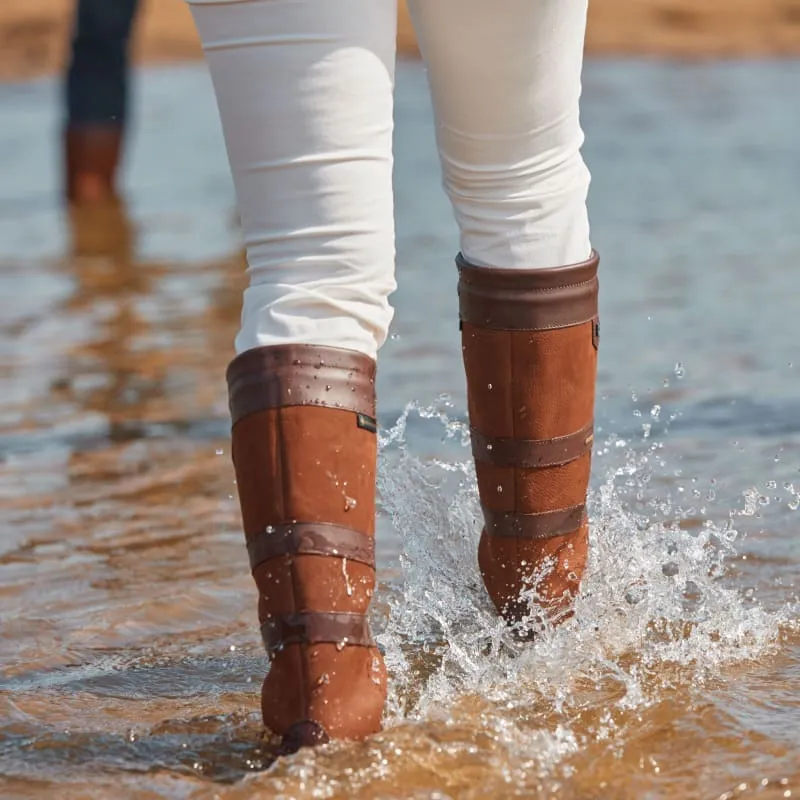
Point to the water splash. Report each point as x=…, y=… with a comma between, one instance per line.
x=657, y=610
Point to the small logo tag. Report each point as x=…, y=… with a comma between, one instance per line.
x=367, y=423
x=596, y=333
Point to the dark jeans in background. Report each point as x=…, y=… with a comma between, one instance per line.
x=96, y=84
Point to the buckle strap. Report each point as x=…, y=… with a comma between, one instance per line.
x=316, y=627
x=543, y=525
x=311, y=538
x=532, y=453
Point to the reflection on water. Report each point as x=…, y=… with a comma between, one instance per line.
x=129, y=660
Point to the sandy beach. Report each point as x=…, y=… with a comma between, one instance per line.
x=34, y=33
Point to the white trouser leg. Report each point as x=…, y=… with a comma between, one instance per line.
x=304, y=90
x=506, y=79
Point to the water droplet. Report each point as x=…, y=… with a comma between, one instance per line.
x=233, y=648
x=341, y=645
x=269, y=529
x=348, y=585
x=490, y=446
x=349, y=503
x=323, y=679
x=499, y=489
x=375, y=672
x=635, y=594
x=220, y=451
x=489, y=386
x=679, y=370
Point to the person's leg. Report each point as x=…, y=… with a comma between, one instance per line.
x=96, y=98
x=505, y=80
x=305, y=96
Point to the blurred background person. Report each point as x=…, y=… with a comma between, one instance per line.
x=97, y=98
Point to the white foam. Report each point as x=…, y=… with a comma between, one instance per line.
x=656, y=607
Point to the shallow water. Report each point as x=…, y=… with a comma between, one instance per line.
x=129, y=662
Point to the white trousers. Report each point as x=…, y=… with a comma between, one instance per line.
x=304, y=89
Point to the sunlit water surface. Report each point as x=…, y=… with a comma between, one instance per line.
x=129, y=656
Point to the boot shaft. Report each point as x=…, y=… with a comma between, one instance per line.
x=304, y=453
x=529, y=340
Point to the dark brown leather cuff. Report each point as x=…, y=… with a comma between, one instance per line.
x=301, y=375
x=531, y=300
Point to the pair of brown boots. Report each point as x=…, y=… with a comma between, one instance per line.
x=304, y=451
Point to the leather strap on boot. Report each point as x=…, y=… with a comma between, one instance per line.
x=527, y=305
x=324, y=377
x=320, y=539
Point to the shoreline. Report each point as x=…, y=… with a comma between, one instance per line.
x=34, y=34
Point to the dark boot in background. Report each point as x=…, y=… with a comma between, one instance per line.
x=92, y=156
x=96, y=97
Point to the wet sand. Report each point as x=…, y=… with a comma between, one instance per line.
x=129, y=652
x=33, y=33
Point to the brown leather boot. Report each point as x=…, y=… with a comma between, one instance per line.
x=304, y=452
x=530, y=341
x=91, y=158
